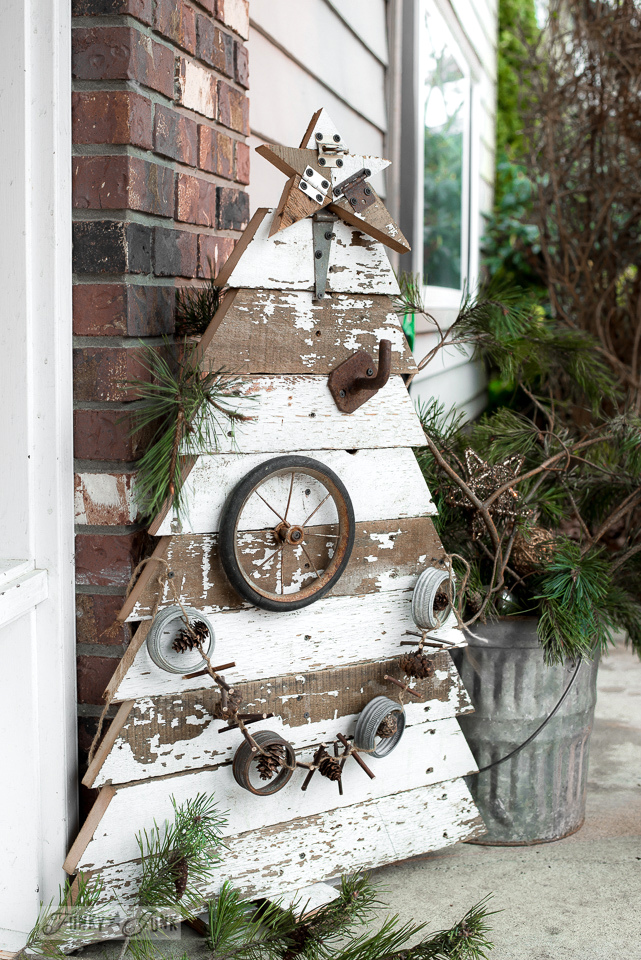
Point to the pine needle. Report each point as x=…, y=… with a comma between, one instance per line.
x=197, y=306
x=187, y=411
x=466, y=940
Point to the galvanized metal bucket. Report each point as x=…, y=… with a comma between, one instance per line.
x=539, y=794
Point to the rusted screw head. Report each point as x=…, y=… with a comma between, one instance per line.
x=367, y=173
x=329, y=235
x=341, y=393
x=367, y=191
x=318, y=254
x=353, y=201
x=337, y=191
x=370, y=372
x=339, y=163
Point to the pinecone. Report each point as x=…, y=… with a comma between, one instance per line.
x=416, y=664
x=388, y=726
x=531, y=550
x=193, y=640
x=329, y=767
x=234, y=701
x=180, y=873
x=441, y=601
x=269, y=762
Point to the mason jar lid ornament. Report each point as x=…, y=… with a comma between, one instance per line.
x=379, y=727
x=174, y=648
x=274, y=765
x=426, y=600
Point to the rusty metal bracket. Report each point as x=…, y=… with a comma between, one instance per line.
x=356, y=190
x=355, y=381
x=322, y=233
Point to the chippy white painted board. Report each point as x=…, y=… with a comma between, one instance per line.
x=206, y=746
x=428, y=753
x=298, y=412
x=383, y=485
x=357, y=264
x=363, y=836
x=330, y=632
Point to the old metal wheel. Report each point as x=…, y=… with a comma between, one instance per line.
x=286, y=533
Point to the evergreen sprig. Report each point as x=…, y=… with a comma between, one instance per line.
x=197, y=306
x=193, y=838
x=77, y=916
x=186, y=410
x=466, y=940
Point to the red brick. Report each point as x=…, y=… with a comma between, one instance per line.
x=242, y=162
x=215, y=47
x=175, y=253
x=95, y=614
x=212, y=253
x=100, y=309
x=111, y=246
x=196, y=88
x=109, y=309
x=175, y=136
x=111, y=116
x=122, y=53
x=176, y=21
x=102, y=373
x=233, y=108
x=195, y=200
x=140, y=9
x=235, y=15
x=208, y=5
x=106, y=560
x=215, y=152
x=122, y=183
x=106, y=435
x=104, y=499
x=94, y=673
x=233, y=209
x=242, y=65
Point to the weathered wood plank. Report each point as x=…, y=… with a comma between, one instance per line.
x=375, y=221
x=428, y=753
x=263, y=862
x=387, y=555
x=164, y=735
x=271, y=331
x=331, y=632
x=382, y=484
x=298, y=411
x=357, y=263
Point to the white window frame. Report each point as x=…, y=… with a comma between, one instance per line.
x=436, y=297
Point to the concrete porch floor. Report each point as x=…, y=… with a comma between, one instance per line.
x=574, y=899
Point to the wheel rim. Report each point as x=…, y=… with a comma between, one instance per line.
x=291, y=534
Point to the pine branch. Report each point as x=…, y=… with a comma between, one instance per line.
x=187, y=411
x=180, y=856
x=197, y=306
x=466, y=940
x=57, y=927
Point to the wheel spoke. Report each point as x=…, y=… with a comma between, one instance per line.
x=282, y=585
x=289, y=498
x=278, y=550
x=325, y=536
x=270, y=506
x=305, y=522
x=310, y=560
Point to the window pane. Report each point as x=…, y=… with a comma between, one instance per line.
x=445, y=102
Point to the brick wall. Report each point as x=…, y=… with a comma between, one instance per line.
x=160, y=116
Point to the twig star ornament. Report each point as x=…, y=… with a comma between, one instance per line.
x=483, y=479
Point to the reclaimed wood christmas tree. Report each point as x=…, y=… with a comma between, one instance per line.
x=296, y=560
